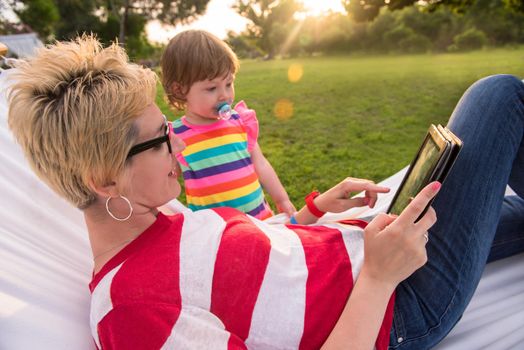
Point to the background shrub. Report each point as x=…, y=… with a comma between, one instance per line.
x=471, y=39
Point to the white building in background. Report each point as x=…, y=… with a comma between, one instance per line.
x=21, y=45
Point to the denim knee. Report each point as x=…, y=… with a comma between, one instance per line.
x=500, y=86
x=492, y=98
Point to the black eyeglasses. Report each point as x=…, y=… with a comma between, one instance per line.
x=144, y=146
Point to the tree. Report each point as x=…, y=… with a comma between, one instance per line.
x=366, y=10
x=41, y=16
x=78, y=16
x=471, y=39
x=439, y=26
x=271, y=21
x=500, y=24
x=67, y=18
x=330, y=32
x=516, y=5
x=166, y=11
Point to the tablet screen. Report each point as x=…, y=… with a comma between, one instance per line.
x=418, y=176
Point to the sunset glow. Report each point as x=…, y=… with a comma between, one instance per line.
x=316, y=7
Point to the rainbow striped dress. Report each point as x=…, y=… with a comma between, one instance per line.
x=216, y=163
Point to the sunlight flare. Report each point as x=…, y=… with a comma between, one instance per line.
x=283, y=109
x=295, y=72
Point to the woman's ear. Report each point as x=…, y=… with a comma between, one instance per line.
x=107, y=190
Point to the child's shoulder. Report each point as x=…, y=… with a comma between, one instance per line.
x=178, y=126
x=247, y=115
x=177, y=122
x=248, y=118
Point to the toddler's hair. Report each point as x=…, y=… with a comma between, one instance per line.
x=193, y=56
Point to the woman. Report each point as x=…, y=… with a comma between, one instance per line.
x=87, y=122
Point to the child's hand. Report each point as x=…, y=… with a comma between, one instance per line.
x=286, y=206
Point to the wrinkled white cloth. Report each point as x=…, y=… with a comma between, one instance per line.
x=45, y=267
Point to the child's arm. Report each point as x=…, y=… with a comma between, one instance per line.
x=269, y=180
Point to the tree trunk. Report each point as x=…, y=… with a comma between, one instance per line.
x=123, y=22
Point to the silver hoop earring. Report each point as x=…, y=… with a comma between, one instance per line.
x=113, y=216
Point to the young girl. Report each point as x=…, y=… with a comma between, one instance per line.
x=222, y=163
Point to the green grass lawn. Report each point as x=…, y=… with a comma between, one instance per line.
x=361, y=116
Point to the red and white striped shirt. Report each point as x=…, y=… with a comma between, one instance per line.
x=219, y=279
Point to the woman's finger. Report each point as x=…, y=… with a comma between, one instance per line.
x=426, y=237
x=428, y=220
x=337, y=198
x=380, y=222
x=374, y=188
x=355, y=202
x=371, y=198
x=372, y=195
x=419, y=203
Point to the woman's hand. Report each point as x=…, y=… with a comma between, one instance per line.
x=395, y=247
x=337, y=199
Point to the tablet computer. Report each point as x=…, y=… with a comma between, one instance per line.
x=433, y=161
x=456, y=145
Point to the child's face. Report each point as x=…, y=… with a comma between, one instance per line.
x=204, y=96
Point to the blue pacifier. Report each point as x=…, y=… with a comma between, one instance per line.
x=224, y=110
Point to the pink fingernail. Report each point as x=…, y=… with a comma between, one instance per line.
x=436, y=186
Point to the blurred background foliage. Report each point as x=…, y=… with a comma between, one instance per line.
x=401, y=26
x=281, y=28
x=111, y=20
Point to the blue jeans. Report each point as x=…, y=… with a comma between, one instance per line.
x=475, y=222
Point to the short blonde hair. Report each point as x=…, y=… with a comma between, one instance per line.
x=72, y=109
x=192, y=56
